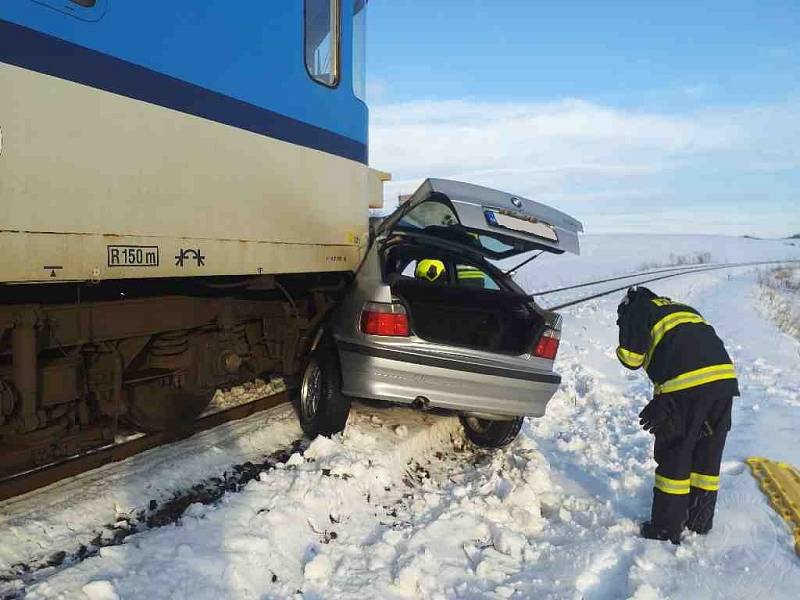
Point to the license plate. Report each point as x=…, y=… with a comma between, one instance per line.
x=132, y=256
x=530, y=226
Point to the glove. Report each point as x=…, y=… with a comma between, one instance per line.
x=658, y=417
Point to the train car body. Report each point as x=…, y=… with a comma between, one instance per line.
x=186, y=138
x=183, y=191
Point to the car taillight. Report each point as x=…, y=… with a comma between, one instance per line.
x=385, y=319
x=547, y=346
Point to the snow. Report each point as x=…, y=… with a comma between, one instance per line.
x=100, y=590
x=400, y=506
x=66, y=515
x=779, y=298
x=610, y=255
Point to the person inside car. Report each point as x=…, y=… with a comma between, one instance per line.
x=431, y=270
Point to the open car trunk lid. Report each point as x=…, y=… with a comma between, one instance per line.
x=495, y=224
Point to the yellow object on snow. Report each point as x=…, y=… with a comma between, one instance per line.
x=781, y=484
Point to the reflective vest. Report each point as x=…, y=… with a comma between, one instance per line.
x=470, y=276
x=675, y=346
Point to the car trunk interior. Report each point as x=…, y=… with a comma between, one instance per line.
x=491, y=320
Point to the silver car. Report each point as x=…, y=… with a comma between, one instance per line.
x=430, y=322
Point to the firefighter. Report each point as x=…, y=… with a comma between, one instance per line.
x=470, y=276
x=690, y=413
x=431, y=270
x=434, y=271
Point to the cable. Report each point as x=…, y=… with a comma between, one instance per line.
x=684, y=272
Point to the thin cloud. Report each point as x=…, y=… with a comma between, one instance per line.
x=580, y=152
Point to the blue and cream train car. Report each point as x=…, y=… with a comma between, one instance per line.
x=183, y=186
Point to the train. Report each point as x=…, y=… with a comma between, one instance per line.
x=184, y=193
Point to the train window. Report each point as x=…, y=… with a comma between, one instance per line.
x=85, y=3
x=360, y=49
x=322, y=40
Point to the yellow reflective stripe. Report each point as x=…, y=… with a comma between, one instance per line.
x=662, y=301
x=709, y=483
x=678, y=487
x=470, y=274
x=629, y=358
x=696, y=377
x=666, y=324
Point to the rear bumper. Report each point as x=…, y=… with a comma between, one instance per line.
x=402, y=377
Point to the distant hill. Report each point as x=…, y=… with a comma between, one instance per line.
x=796, y=236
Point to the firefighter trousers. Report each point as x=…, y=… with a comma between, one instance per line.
x=687, y=475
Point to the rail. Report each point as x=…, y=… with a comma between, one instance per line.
x=23, y=483
x=16, y=485
x=685, y=271
x=620, y=277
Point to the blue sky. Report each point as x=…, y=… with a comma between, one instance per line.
x=634, y=117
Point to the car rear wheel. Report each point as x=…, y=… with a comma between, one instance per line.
x=491, y=434
x=321, y=407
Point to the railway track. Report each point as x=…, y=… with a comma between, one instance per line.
x=17, y=485
x=684, y=268
x=205, y=492
x=645, y=277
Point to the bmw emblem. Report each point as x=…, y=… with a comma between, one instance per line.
x=516, y=202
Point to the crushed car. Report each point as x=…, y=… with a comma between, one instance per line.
x=432, y=322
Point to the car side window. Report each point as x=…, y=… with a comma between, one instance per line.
x=410, y=269
x=466, y=276
x=432, y=270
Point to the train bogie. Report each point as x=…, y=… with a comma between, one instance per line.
x=78, y=372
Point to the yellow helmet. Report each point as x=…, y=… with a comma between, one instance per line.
x=429, y=268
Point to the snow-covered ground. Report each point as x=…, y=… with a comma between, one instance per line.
x=400, y=507
x=779, y=297
x=610, y=254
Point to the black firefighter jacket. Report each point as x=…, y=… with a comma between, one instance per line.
x=676, y=347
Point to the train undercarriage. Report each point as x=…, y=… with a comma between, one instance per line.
x=82, y=363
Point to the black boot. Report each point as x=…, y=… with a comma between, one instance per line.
x=701, y=511
x=650, y=532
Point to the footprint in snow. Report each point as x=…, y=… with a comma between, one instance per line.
x=732, y=467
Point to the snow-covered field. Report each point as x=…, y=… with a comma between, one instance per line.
x=399, y=506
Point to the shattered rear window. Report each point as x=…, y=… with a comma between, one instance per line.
x=429, y=214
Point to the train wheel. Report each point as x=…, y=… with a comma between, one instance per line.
x=321, y=407
x=154, y=407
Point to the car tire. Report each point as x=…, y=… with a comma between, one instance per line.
x=321, y=407
x=491, y=434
